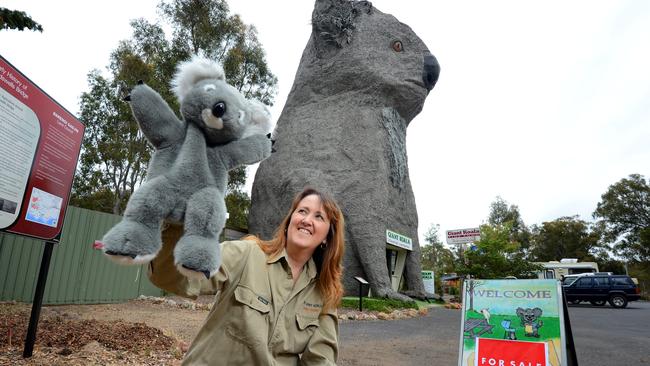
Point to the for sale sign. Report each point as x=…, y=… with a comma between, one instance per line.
x=39, y=148
x=496, y=352
x=512, y=323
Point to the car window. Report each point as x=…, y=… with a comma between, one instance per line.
x=621, y=281
x=568, y=281
x=584, y=282
x=601, y=281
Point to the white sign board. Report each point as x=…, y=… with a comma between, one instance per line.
x=429, y=284
x=463, y=236
x=399, y=240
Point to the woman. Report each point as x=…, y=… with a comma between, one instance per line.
x=276, y=300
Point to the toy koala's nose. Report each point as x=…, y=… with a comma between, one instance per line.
x=219, y=109
x=431, y=71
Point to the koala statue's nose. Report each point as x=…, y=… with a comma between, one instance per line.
x=219, y=109
x=431, y=71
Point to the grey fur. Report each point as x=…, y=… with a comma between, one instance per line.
x=343, y=130
x=187, y=175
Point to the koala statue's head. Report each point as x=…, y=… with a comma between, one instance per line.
x=362, y=49
x=216, y=107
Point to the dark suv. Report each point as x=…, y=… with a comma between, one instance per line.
x=598, y=289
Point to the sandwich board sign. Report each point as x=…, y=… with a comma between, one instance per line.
x=513, y=323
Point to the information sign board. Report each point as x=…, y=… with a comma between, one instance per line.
x=40, y=143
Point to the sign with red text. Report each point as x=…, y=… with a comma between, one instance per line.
x=462, y=236
x=497, y=352
x=40, y=143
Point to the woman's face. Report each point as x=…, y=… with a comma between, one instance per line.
x=308, y=226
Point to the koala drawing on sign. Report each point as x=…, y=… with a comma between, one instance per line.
x=529, y=320
x=362, y=79
x=187, y=176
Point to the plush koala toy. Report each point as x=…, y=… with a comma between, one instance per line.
x=188, y=172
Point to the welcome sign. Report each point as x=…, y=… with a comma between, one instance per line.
x=512, y=323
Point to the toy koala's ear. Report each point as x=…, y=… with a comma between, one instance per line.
x=260, y=115
x=334, y=20
x=190, y=72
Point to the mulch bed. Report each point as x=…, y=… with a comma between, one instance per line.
x=61, y=336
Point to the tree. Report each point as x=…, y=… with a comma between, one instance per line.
x=565, y=237
x=115, y=154
x=496, y=255
x=15, y=19
x=624, y=211
x=433, y=254
x=501, y=213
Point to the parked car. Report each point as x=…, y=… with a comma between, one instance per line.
x=598, y=289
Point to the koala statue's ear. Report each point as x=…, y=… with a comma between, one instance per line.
x=333, y=21
x=190, y=72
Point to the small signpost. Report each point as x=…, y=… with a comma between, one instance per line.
x=362, y=282
x=40, y=143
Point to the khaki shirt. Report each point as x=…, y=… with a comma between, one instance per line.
x=259, y=316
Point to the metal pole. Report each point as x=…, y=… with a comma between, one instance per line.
x=360, y=296
x=38, y=300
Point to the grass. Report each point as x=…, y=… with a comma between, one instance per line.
x=380, y=304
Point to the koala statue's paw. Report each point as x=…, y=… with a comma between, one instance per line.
x=389, y=293
x=130, y=242
x=197, y=257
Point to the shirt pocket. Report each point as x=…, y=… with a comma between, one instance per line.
x=249, y=317
x=306, y=326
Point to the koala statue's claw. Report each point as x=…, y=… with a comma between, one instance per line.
x=127, y=98
x=268, y=135
x=140, y=82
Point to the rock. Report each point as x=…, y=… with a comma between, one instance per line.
x=383, y=316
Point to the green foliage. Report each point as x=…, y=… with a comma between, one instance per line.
x=15, y=19
x=565, y=237
x=496, y=255
x=624, y=212
x=435, y=256
x=238, y=205
x=501, y=213
x=115, y=154
x=377, y=304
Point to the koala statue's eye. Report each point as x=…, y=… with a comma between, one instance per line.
x=209, y=87
x=397, y=46
x=219, y=109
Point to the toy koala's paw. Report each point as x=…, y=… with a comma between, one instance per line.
x=197, y=257
x=131, y=242
x=127, y=98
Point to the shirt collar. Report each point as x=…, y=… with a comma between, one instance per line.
x=310, y=269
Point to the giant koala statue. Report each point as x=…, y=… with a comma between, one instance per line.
x=362, y=78
x=187, y=176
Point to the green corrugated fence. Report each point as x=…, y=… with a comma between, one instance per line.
x=78, y=273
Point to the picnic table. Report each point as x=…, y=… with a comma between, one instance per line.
x=475, y=327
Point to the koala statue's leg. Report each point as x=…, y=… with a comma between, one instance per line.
x=197, y=253
x=371, y=250
x=136, y=239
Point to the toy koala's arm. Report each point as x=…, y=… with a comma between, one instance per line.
x=157, y=121
x=246, y=151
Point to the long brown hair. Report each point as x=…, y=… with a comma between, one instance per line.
x=328, y=259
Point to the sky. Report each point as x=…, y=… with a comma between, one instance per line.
x=543, y=103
